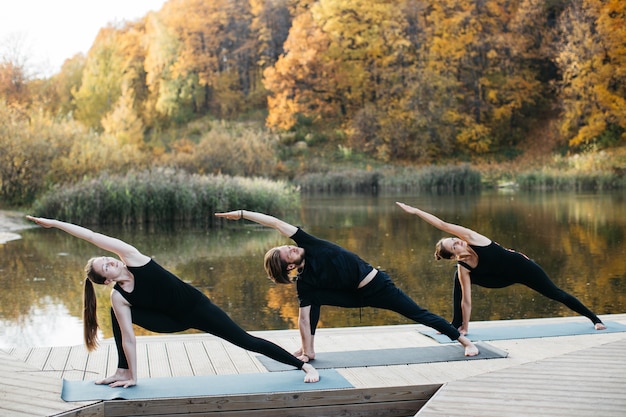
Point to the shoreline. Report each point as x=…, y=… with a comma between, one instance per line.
x=10, y=222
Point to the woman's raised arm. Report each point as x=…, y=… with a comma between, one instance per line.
x=468, y=235
x=128, y=253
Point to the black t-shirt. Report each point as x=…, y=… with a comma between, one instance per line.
x=158, y=289
x=327, y=266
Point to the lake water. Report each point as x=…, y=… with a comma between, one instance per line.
x=579, y=239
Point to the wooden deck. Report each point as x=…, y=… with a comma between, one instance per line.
x=559, y=376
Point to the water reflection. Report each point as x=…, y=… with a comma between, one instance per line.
x=578, y=239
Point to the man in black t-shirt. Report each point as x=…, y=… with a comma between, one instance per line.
x=327, y=274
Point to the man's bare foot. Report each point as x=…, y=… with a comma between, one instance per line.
x=304, y=357
x=311, y=373
x=600, y=326
x=470, y=348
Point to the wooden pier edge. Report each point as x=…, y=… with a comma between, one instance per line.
x=399, y=401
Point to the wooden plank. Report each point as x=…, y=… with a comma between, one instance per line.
x=38, y=357
x=96, y=410
x=199, y=359
x=98, y=363
x=158, y=361
x=57, y=361
x=400, y=409
x=76, y=363
x=143, y=361
x=178, y=359
x=583, y=383
x=244, y=360
x=400, y=397
x=219, y=358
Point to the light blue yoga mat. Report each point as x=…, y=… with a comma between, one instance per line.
x=515, y=331
x=207, y=385
x=394, y=356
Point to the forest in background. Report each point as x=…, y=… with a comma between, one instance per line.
x=262, y=87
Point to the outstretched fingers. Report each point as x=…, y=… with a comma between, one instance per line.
x=231, y=215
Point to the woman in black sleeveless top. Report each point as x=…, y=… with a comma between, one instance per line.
x=148, y=295
x=484, y=262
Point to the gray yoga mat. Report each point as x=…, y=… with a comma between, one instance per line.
x=395, y=356
x=515, y=331
x=207, y=385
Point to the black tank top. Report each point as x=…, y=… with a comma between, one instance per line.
x=158, y=289
x=498, y=267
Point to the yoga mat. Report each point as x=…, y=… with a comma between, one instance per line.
x=515, y=331
x=396, y=356
x=197, y=386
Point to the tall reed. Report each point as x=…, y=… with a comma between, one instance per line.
x=163, y=195
x=570, y=181
x=434, y=178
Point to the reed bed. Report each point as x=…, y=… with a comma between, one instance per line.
x=164, y=196
x=568, y=181
x=348, y=181
x=450, y=178
x=434, y=178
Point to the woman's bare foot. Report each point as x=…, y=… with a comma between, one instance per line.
x=121, y=377
x=470, y=348
x=600, y=326
x=311, y=373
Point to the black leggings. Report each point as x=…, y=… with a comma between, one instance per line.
x=208, y=318
x=381, y=292
x=538, y=280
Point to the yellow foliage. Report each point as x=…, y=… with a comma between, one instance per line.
x=592, y=58
x=475, y=137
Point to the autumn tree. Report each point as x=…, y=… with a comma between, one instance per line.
x=102, y=79
x=337, y=59
x=301, y=83
x=58, y=91
x=592, y=60
x=29, y=143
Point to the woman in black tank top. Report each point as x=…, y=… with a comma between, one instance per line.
x=148, y=295
x=485, y=263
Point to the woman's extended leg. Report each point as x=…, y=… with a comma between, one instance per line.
x=211, y=319
x=539, y=281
